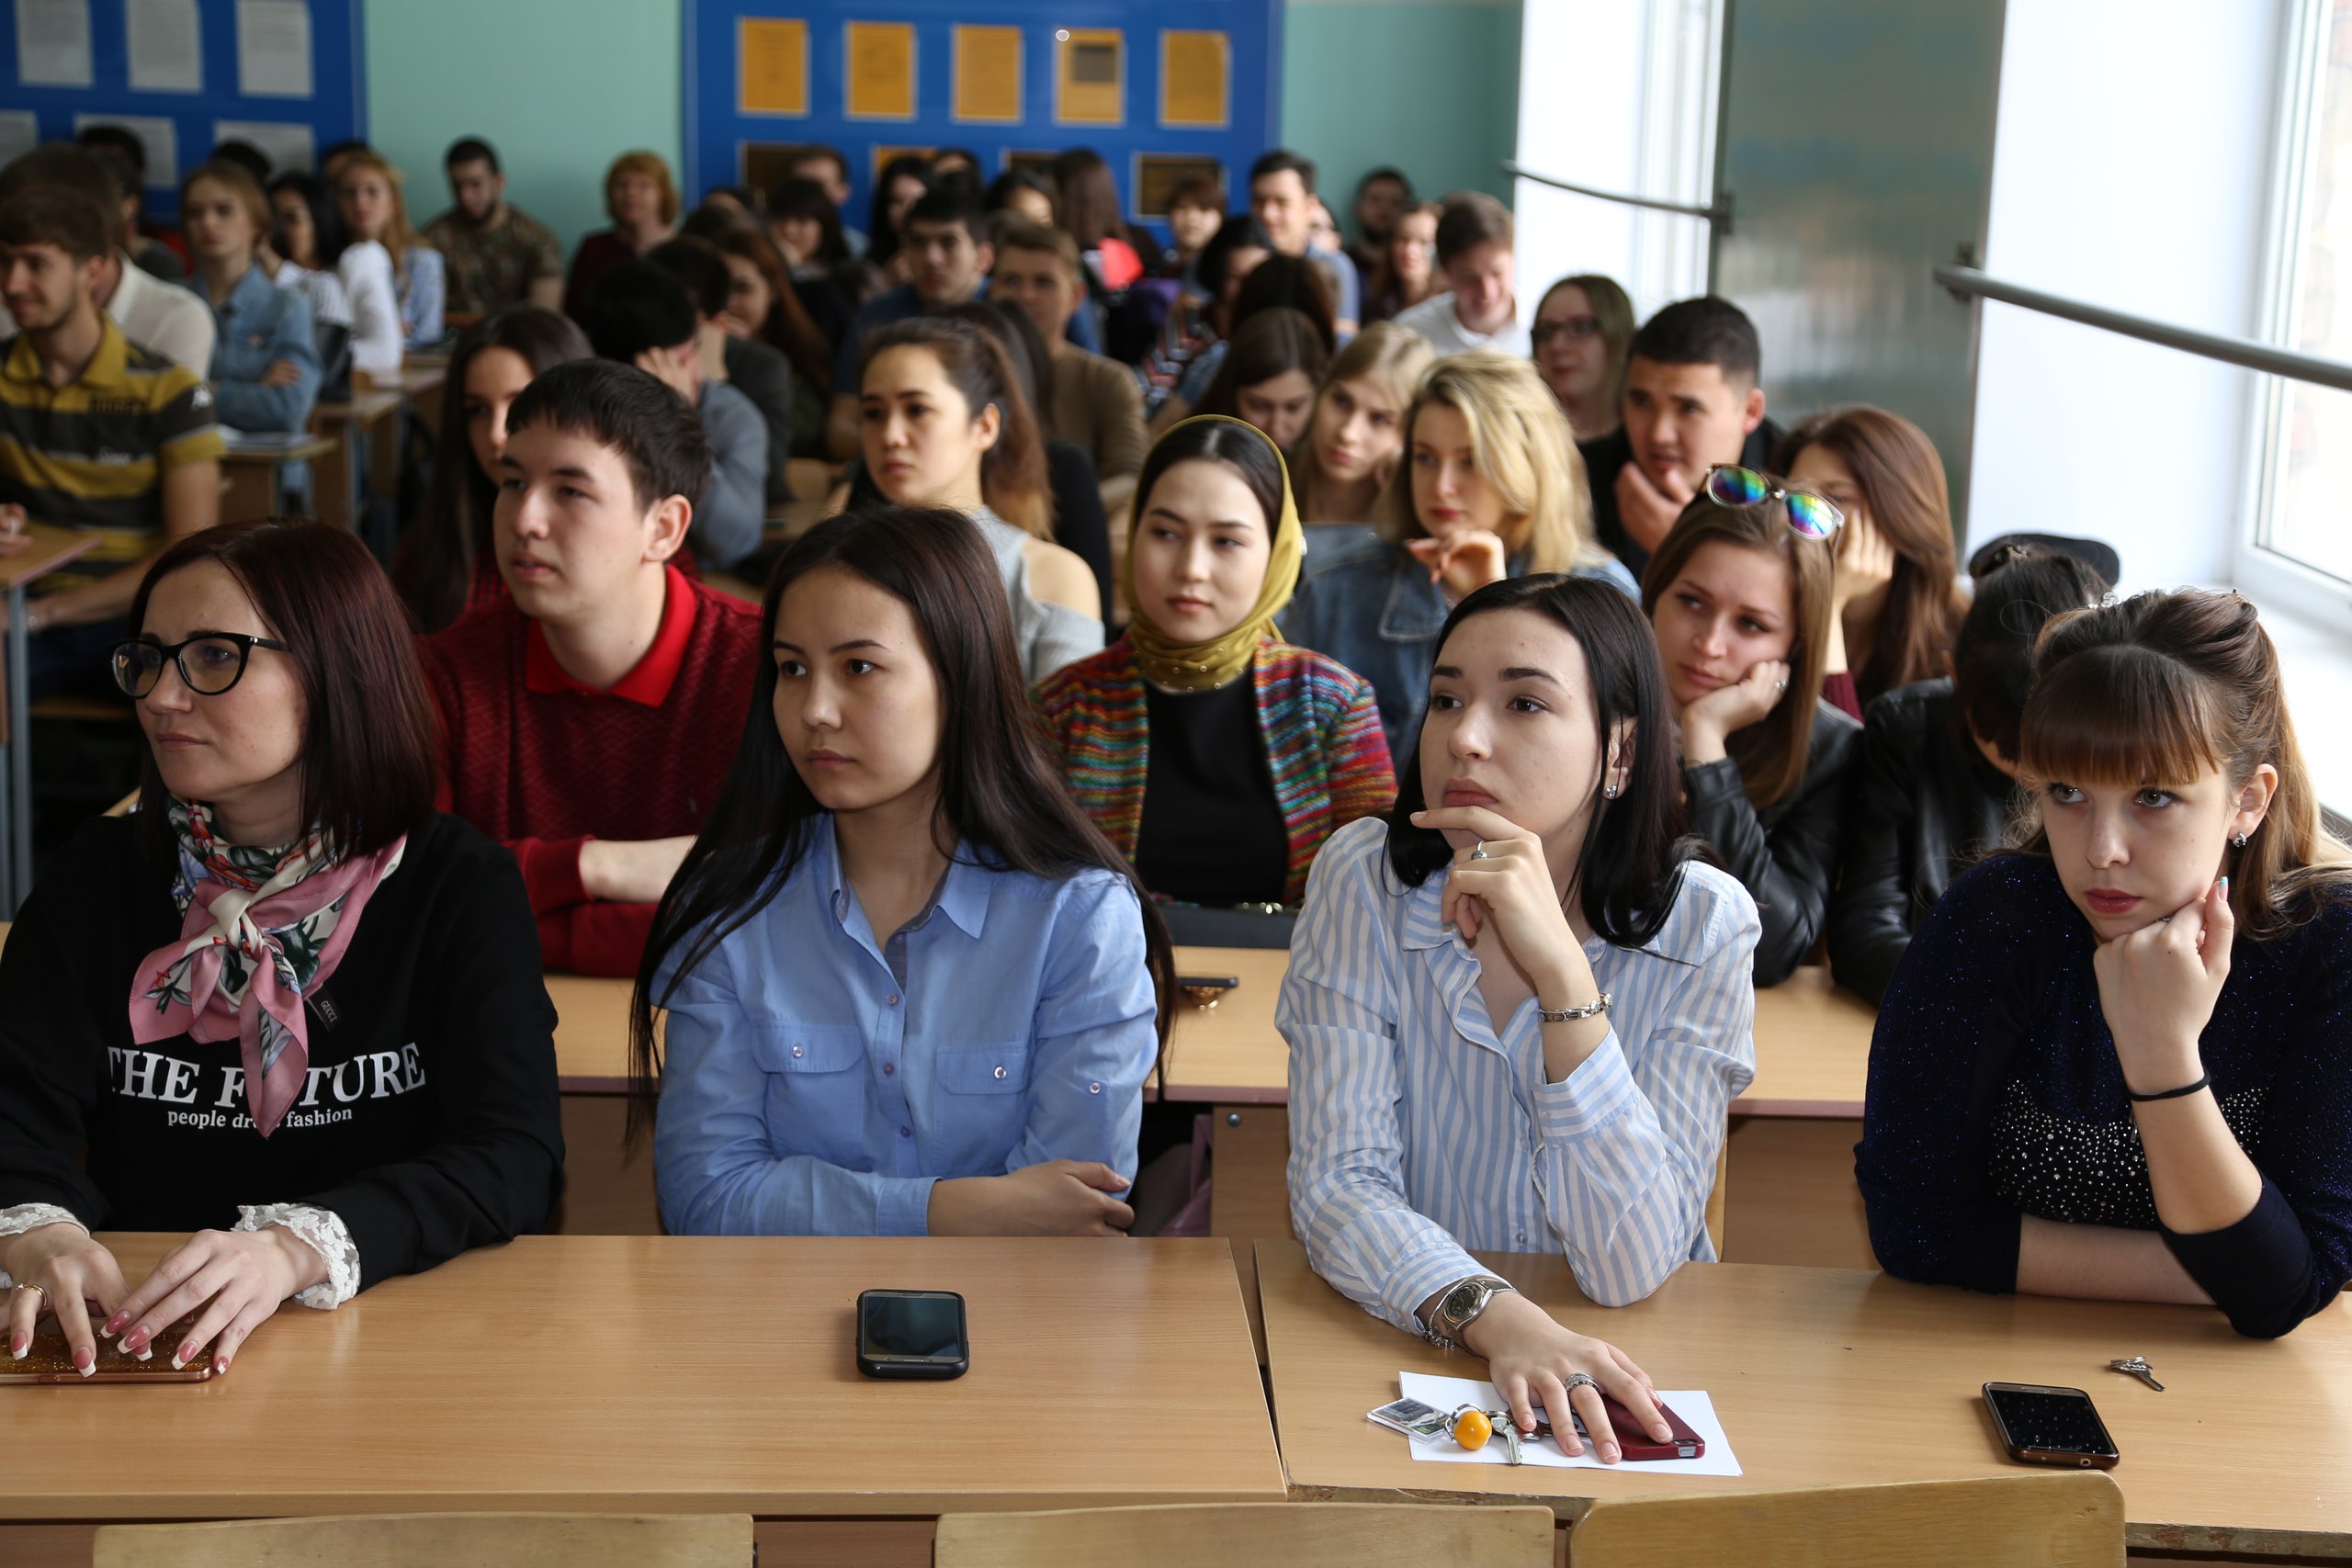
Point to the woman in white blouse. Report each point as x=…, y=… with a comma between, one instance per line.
x=1534, y=1051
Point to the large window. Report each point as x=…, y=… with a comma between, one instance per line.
x=2305, y=519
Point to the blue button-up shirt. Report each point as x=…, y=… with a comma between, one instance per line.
x=819, y=1078
x=260, y=324
x=1421, y=1127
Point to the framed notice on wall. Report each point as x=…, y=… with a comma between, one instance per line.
x=1090, y=76
x=880, y=72
x=988, y=75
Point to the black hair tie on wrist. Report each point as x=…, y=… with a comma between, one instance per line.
x=2204, y=1080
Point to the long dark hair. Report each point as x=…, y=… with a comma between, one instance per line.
x=370, y=745
x=806, y=198
x=999, y=790
x=1243, y=448
x=1635, y=846
x=435, y=566
x=326, y=223
x=1270, y=344
x=881, y=234
x=1024, y=350
x=1013, y=479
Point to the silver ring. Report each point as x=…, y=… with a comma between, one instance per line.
x=1575, y=1381
x=1780, y=685
x=1480, y=852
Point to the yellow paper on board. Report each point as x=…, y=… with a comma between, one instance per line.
x=773, y=60
x=1194, y=68
x=987, y=75
x=1091, y=65
x=881, y=70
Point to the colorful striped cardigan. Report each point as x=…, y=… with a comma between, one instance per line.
x=1324, y=745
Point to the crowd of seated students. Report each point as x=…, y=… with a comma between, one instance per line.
x=1601, y=702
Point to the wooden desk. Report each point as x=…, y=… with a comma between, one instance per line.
x=1826, y=1375
x=344, y=475
x=660, y=1374
x=257, y=477
x=51, y=548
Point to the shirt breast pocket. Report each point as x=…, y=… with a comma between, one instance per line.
x=981, y=1104
x=814, y=1101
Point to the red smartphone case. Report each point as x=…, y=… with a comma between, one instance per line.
x=1636, y=1443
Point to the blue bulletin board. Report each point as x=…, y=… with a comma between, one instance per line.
x=285, y=74
x=1156, y=86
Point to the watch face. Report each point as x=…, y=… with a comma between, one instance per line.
x=1461, y=1298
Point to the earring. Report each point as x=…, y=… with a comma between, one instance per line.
x=2238, y=842
x=1610, y=791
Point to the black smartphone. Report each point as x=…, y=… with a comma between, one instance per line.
x=2043, y=1425
x=911, y=1334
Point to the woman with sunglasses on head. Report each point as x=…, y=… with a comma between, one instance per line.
x=2117, y=1062
x=286, y=1005
x=1583, y=329
x=1492, y=488
x=1896, y=593
x=1738, y=596
x=1518, y=1009
x=908, y=989
x=1215, y=756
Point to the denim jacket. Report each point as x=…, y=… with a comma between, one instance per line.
x=260, y=324
x=1373, y=607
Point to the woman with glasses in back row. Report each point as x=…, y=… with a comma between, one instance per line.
x=286, y=1005
x=1739, y=597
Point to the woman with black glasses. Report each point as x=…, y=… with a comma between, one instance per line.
x=286, y=1005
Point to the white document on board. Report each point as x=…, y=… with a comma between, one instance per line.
x=20, y=134
x=53, y=43
x=165, y=54
x=274, y=49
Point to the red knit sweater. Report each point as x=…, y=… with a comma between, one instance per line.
x=544, y=764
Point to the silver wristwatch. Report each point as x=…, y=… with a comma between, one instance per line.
x=1459, y=1306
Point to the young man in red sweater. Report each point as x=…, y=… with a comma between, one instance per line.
x=589, y=721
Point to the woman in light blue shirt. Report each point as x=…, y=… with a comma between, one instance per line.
x=1533, y=1051
x=265, y=370
x=910, y=988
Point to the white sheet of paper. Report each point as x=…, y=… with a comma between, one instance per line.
x=53, y=43
x=19, y=133
x=289, y=147
x=274, y=49
x=165, y=56
x=156, y=134
x=1691, y=1403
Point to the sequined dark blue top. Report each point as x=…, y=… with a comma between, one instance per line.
x=1994, y=1093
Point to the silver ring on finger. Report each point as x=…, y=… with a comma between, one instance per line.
x=1480, y=851
x=1575, y=1381
x=1780, y=685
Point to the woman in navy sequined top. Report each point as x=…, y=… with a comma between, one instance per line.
x=2119, y=1064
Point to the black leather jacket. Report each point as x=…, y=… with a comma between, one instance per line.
x=1929, y=806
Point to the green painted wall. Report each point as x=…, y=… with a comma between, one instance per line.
x=560, y=87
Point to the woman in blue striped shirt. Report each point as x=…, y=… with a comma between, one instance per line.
x=910, y=989
x=1535, y=1050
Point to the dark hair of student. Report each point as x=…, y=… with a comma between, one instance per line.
x=1025, y=354
x=1245, y=450
x=999, y=790
x=881, y=236
x=744, y=197
x=371, y=743
x=1270, y=344
x=1902, y=481
x=807, y=200
x=118, y=140
x=636, y=306
x=1281, y=160
x=788, y=328
x=1771, y=753
x=943, y=204
x=1200, y=191
x=472, y=150
x=252, y=159
x=1388, y=172
x=1471, y=220
x=1239, y=231
x=1287, y=283
x=1710, y=330
x=52, y=215
x=802, y=153
x=2161, y=687
x=698, y=265
x=1001, y=191
x=434, y=566
x=656, y=432
x=1012, y=472
x=1635, y=846
x=1090, y=199
x=62, y=166
x=326, y=223
x=1992, y=662
x=954, y=157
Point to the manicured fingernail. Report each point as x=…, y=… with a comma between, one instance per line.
x=182, y=1356
x=113, y=1323
x=2225, y=888
x=20, y=1345
x=146, y=1355
x=85, y=1360
x=134, y=1343
x=220, y=1364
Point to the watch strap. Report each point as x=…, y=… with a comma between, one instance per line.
x=1459, y=1306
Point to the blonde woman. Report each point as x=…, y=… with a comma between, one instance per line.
x=1357, y=431
x=642, y=201
x=1495, y=489
x=368, y=197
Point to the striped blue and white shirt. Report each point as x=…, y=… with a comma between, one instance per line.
x=1419, y=1131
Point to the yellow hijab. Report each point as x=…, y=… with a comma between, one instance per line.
x=1204, y=666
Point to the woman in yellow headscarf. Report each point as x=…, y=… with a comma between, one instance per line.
x=1215, y=756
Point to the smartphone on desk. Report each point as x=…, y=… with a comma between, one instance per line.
x=2039, y=1424
x=1634, y=1442
x=49, y=1360
x=911, y=1334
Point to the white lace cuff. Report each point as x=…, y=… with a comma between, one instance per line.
x=22, y=1217
x=324, y=1230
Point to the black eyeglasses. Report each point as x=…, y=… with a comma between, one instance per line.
x=1543, y=333
x=210, y=662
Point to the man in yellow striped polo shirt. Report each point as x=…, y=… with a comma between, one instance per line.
x=96, y=431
